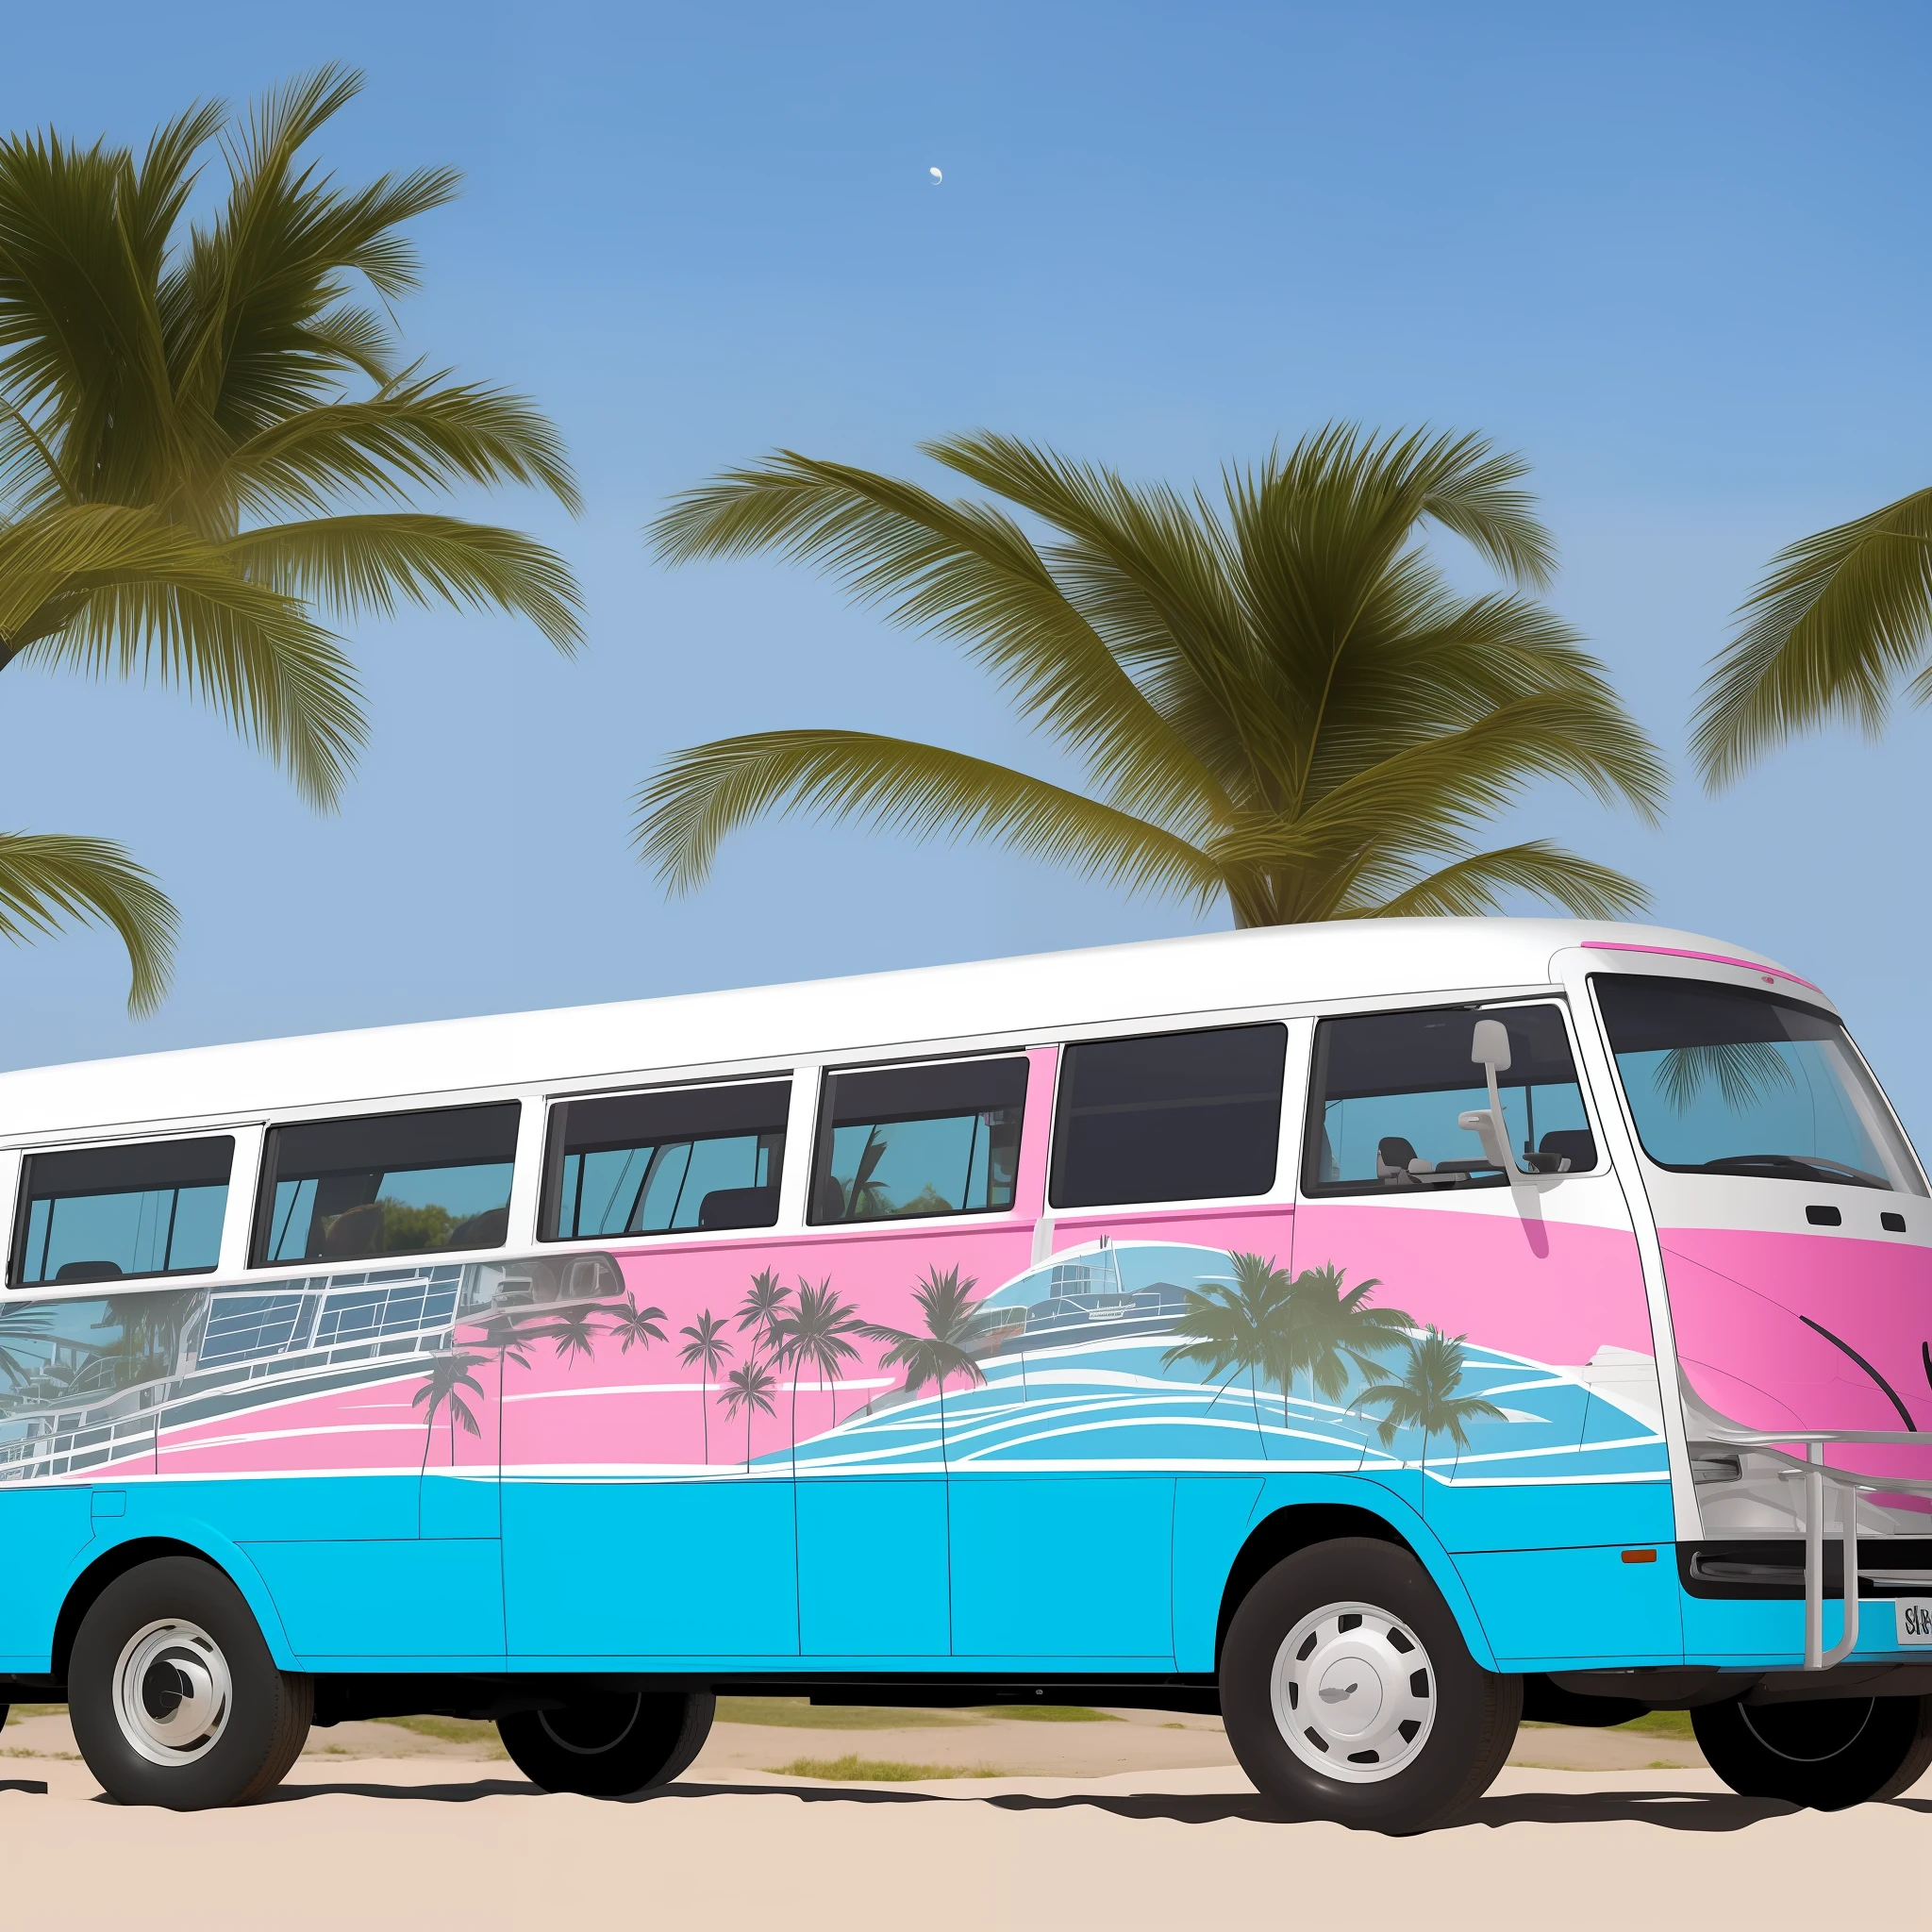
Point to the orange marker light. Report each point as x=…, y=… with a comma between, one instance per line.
x=1639, y=1555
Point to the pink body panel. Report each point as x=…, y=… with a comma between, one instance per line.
x=1739, y=1300
x=1552, y=1290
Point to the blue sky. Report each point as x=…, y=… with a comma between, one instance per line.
x=1674, y=255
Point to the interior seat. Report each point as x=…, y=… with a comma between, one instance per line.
x=738, y=1208
x=1577, y=1145
x=1397, y=1162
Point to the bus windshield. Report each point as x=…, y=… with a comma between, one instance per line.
x=1724, y=1079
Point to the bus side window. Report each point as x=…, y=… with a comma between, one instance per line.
x=1390, y=1088
x=664, y=1162
x=940, y=1139
x=1169, y=1117
x=386, y=1184
x=107, y=1213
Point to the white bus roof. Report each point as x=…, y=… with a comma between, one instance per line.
x=1040, y=997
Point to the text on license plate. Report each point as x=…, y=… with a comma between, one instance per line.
x=1914, y=1619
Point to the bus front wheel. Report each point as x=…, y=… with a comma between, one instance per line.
x=1349, y=1695
x=1824, y=1753
x=617, y=1745
x=173, y=1696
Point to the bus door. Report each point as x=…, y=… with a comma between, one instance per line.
x=926, y=1190
x=647, y=1494
x=1166, y=1160
x=1516, y=1403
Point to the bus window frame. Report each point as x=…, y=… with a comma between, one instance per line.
x=550, y=1164
x=822, y=1129
x=1476, y=1008
x=13, y=1202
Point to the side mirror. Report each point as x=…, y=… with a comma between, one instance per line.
x=1490, y=1046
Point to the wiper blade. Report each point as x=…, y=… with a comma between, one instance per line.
x=1806, y=1167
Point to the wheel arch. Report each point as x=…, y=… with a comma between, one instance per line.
x=108, y=1565
x=1298, y=1525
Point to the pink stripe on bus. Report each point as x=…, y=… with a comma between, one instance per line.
x=1715, y=958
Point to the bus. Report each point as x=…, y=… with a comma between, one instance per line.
x=1373, y=1332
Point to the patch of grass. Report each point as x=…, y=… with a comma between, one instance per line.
x=21, y=1711
x=851, y=1768
x=19, y=1751
x=452, y=1730
x=1051, y=1713
x=801, y=1714
x=1661, y=1724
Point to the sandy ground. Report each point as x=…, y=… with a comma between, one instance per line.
x=1128, y=1742
x=431, y=1839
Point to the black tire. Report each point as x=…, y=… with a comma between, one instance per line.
x=616, y=1745
x=1824, y=1754
x=167, y=1647
x=1414, y=1771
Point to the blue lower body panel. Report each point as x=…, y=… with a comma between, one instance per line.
x=871, y=1567
x=649, y=1570
x=43, y=1531
x=1077, y=1568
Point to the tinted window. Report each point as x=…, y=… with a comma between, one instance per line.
x=1170, y=1117
x=386, y=1184
x=1725, y=1079
x=100, y=1213
x=653, y=1163
x=1388, y=1090
x=937, y=1140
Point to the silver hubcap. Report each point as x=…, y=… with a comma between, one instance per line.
x=1354, y=1694
x=172, y=1691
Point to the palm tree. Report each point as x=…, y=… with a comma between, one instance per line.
x=207, y=442
x=749, y=1388
x=1240, y=1325
x=953, y=1322
x=764, y=1302
x=705, y=1352
x=1426, y=1397
x=570, y=1329
x=23, y=1324
x=1277, y=699
x=1830, y=630
x=449, y=1375
x=814, y=1331
x=1331, y=1331
x=863, y=1198
x=636, y=1324
x=150, y=1327
x=506, y=1335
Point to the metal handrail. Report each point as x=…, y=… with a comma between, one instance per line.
x=1816, y=1473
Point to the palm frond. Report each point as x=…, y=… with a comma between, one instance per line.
x=353, y=566
x=110, y=590
x=967, y=572
x=895, y=784
x=1834, y=625
x=1471, y=887
x=51, y=880
x=1746, y=1072
x=419, y=432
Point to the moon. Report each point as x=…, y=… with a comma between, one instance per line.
x=936, y=174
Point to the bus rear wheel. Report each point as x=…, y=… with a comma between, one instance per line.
x=173, y=1696
x=617, y=1745
x=1349, y=1695
x=1824, y=1754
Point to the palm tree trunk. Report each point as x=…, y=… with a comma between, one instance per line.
x=705, y=1397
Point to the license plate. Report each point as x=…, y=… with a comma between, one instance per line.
x=1914, y=1619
